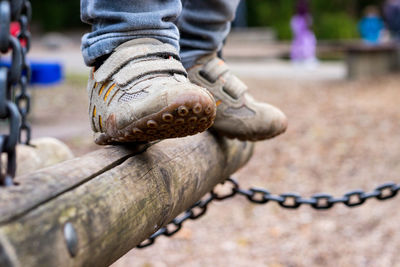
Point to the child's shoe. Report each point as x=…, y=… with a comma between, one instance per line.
x=238, y=114
x=141, y=93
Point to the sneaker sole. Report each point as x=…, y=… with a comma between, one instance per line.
x=253, y=138
x=180, y=119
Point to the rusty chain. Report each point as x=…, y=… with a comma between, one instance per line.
x=261, y=196
x=13, y=80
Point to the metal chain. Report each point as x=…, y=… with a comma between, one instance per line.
x=195, y=212
x=288, y=200
x=23, y=98
x=318, y=201
x=16, y=76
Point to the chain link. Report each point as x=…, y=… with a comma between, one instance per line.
x=194, y=213
x=13, y=80
x=23, y=98
x=261, y=196
x=319, y=201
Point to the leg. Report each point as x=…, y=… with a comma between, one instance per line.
x=117, y=21
x=203, y=26
x=138, y=90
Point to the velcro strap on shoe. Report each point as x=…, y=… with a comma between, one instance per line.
x=135, y=70
x=214, y=69
x=234, y=86
x=121, y=57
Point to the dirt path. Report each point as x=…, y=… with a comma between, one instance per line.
x=342, y=136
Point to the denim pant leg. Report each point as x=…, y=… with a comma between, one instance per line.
x=117, y=21
x=203, y=25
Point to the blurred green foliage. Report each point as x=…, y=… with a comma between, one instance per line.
x=333, y=19
x=336, y=25
x=56, y=15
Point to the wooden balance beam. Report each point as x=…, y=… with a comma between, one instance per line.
x=111, y=199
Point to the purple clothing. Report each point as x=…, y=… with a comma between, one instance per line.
x=304, y=41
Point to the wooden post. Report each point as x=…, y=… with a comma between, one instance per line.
x=112, y=199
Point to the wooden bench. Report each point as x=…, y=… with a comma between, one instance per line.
x=105, y=203
x=368, y=61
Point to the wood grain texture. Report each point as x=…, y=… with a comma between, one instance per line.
x=114, y=197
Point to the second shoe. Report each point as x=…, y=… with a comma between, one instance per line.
x=238, y=114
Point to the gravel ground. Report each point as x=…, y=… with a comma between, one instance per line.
x=342, y=136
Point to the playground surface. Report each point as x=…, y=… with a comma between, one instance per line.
x=342, y=136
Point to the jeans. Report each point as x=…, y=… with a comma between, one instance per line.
x=195, y=27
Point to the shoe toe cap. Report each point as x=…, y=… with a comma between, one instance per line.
x=274, y=122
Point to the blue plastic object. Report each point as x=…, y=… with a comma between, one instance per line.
x=46, y=72
x=43, y=72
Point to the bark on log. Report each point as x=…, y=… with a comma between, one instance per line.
x=114, y=198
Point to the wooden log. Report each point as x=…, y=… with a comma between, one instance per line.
x=113, y=199
x=42, y=152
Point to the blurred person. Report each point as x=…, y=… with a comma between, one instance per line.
x=304, y=42
x=371, y=26
x=156, y=73
x=391, y=11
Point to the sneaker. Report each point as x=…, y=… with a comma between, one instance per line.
x=141, y=94
x=238, y=114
